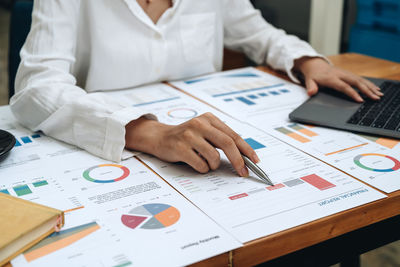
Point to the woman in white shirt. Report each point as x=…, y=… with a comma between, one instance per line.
x=77, y=48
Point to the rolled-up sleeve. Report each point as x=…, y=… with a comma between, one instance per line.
x=48, y=98
x=246, y=30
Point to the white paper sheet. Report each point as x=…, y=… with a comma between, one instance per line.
x=30, y=147
x=375, y=161
x=246, y=93
x=116, y=215
x=306, y=189
x=365, y=159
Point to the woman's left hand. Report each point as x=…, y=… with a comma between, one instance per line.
x=317, y=72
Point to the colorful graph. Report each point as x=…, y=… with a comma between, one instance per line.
x=317, y=182
x=292, y=134
x=59, y=240
x=301, y=129
x=26, y=139
x=25, y=189
x=254, y=97
x=386, y=142
x=182, y=113
x=5, y=191
x=22, y=190
x=377, y=162
x=106, y=173
x=254, y=144
x=151, y=216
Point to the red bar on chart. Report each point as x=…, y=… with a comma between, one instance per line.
x=277, y=186
x=317, y=182
x=238, y=196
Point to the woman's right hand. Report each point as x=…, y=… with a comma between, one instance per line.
x=193, y=142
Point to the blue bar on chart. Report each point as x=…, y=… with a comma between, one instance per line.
x=21, y=190
x=284, y=91
x=228, y=99
x=35, y=136
x=252, y=96
x=156, y=101
x=254, y=144
x=17, y=143
x=4, y=191
x=263, y=94
x=245, y=100
x=26, y=139
x=40, y=183
x=274, y=93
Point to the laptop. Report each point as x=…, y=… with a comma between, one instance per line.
x=333, y=109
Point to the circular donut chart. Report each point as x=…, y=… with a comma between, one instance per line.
x=106, y=173
x=151, y=216
x=182, y=113
x=395, y=167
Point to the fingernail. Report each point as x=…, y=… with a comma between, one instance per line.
x=244, y=172
x=380, y=93
x=256, y=158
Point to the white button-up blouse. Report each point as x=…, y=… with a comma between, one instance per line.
x=78, y=48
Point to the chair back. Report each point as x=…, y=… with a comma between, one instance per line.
x=20, y=25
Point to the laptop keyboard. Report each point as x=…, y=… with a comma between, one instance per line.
x=383, y=114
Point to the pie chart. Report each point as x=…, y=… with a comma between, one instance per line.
x=151, y=216
x=106, y=173
x=377, y=162
x=182, y=113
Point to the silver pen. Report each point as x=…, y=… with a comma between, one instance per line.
x=257, y=170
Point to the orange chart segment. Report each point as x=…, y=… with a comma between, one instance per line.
x=293, y=135
x=168, y=217
x=389, y=143
x=301, y=129
x=151, y=216
x=60, y=240
x=386, y=142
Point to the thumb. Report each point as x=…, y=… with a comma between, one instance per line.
x=311, y=86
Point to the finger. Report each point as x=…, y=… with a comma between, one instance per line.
x=195, y=161
x=363, y=87
x=343, y=87
x=208, y=152
x=243, y=146
x=311, y=86
x=373, y=87
x=223, y=141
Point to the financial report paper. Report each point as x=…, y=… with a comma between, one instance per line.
x=246, y=93
x=265, y=101
x=373, y=160
x=305, y=188
x=115, y=214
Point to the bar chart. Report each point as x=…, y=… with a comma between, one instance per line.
x=60, y=240
x=24, y=188
x=24, y=140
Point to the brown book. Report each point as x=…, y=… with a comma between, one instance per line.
x=23, y=224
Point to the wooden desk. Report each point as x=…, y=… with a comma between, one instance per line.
x=331, y=227
x=328, y=228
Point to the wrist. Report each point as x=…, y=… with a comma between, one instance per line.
x=141, y=135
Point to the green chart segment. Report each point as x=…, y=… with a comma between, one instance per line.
x=99, y=178
x=396, y=163
x=24, y=189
